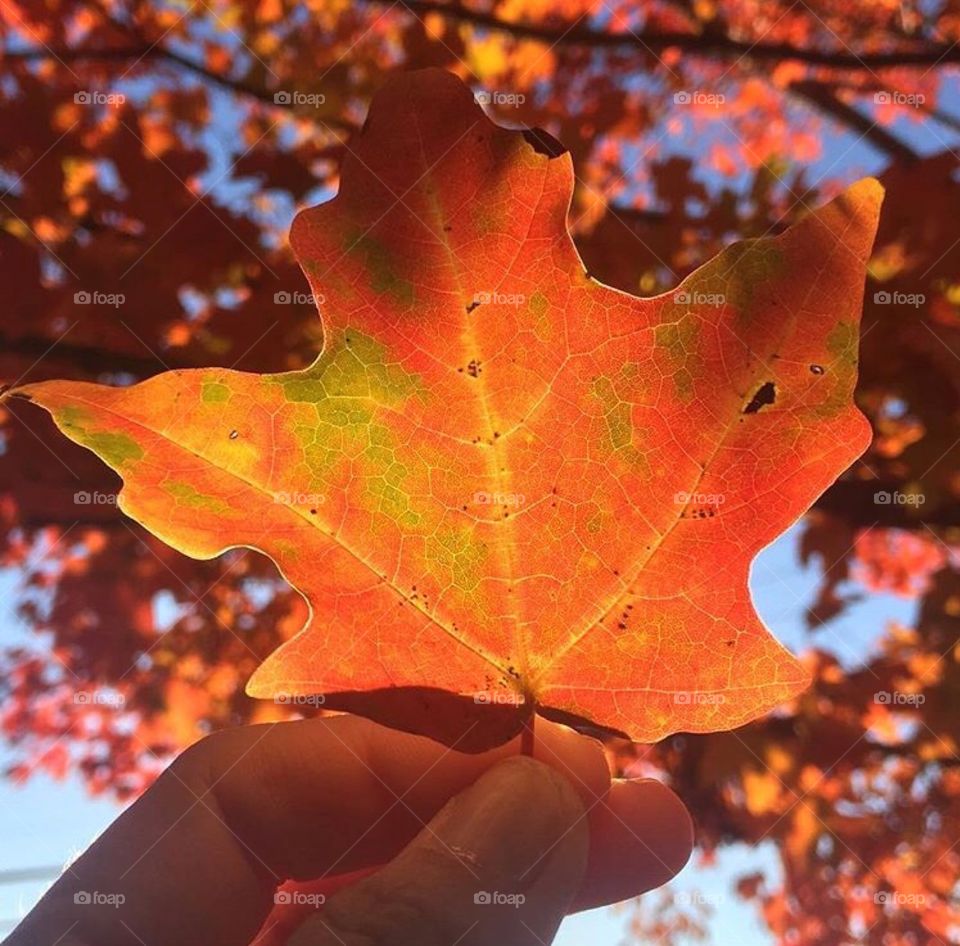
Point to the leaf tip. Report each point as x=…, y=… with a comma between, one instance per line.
x=865, y=197
x=9, y=391
x=869, y=188
x=258, y=687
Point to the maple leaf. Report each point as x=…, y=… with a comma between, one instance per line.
x=501, y=478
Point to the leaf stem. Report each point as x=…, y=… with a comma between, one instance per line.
x=527, y=736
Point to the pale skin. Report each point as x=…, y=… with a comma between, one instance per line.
x=451, y=849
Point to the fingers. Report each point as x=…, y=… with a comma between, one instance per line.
x=641, y=835
x=197, y=859
x=345, y=794
x=498, y=864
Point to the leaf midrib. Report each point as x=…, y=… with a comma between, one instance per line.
x=493, y=463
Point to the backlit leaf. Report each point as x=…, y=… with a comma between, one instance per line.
x=501, y=478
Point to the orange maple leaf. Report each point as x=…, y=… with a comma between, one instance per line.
x=501, y=478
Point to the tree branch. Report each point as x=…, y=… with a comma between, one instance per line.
x=823, y=98
x=162, y=54
x=708, y=43
x=88, y=359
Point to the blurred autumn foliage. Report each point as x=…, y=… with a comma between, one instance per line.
x=151, y=157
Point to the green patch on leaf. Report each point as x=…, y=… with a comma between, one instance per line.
x=187, y=495
x=213, y=392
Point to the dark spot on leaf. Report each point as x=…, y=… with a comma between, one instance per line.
x=234, y=434
x=472, y=306
x=766, y=394
x=474, y=369
x=816, y=369
x=543, y=142
x=313, y=512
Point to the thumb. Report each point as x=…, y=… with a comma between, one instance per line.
x=498, y=864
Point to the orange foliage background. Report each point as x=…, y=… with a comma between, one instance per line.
x=158, y=153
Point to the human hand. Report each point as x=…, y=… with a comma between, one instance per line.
x=479, y=849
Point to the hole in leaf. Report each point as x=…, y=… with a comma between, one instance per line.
x=766, y=394
x=543, y=142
